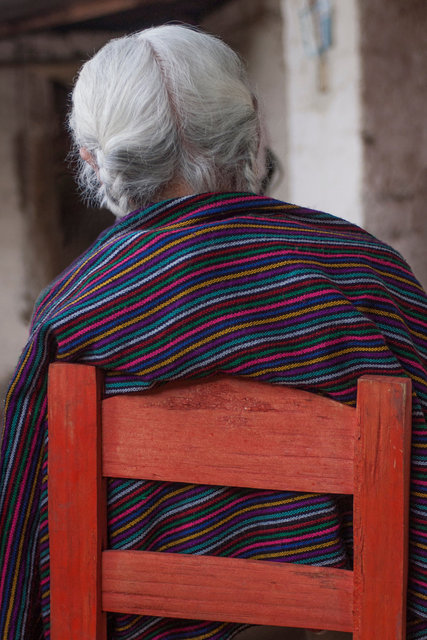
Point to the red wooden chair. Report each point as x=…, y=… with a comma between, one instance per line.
x=233, y=432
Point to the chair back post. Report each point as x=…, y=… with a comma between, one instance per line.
x=74, y=405
x=381, y=506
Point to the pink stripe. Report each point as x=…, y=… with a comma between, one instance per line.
x=345, y=392
x=129, y=511
x=420, y=482
x=423, y=584
x=182, y=630
x=170, y=287
x=311, y=536
x=24, y=489
x=207, y=517
x=307, y=350
x=387, y=300
x=148, y=230
x=234, y=502
x=214, y=322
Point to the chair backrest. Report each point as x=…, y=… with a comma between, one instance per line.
x=229, y=432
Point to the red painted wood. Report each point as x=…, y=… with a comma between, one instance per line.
x=76, y=503
x=233, y=432
x=227, y=589
x=247, y=420
x=381, y=507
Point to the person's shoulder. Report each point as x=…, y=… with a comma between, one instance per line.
x=335, y=226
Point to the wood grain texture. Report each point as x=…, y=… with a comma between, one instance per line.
x=228, y=432
x=227, y=589
x=232, y=432
x=77, y=518
x=381, y=505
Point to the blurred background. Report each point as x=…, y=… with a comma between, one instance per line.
x=342, y=85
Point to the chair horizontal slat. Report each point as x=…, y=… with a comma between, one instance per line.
x=226, y=589
x=280, y=436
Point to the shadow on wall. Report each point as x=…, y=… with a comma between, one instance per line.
x=58, y=224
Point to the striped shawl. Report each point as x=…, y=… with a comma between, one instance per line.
x=232, y=283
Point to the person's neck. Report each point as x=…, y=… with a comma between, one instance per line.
x=175, y=189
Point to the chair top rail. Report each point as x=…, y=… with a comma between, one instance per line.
x=247, y=433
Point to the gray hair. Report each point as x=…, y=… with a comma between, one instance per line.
x=166, y=104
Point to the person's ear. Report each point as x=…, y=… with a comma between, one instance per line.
x=88, y=157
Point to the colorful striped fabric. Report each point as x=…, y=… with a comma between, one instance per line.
x=236, y=283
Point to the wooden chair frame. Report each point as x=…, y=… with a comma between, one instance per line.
x=230, y=432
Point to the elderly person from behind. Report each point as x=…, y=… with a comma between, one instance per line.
x=200, y=274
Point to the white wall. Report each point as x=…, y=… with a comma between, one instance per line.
x=324, y=145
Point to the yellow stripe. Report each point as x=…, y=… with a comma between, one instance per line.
x=227, y=519
x=185, y=488
x=143, y=261
x=74, y=274
x=380, y=312
x=417, y=594
x=128, y=323
x=316, y=360
x=203, y=231
x=242, y=325
x=17, y=377
x=279, y=554
x=151, y=509
x=21, y=543
x=419, y=545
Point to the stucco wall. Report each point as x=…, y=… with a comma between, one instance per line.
x=28, y=241
x=394, y=72
x=12, y=327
